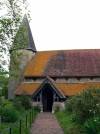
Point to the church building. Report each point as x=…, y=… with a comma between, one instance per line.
x=51, y=77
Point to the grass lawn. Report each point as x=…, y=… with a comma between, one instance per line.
x=69, y=127
x=15, y=127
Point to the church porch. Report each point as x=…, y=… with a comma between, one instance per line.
x=48, y=99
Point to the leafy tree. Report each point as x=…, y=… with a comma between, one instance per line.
x=13, y=36
x=9, y=25
x=3, y=83
x=8, y=112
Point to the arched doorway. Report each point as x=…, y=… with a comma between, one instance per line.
x=47, y=98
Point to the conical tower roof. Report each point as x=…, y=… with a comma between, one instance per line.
x=31, y=44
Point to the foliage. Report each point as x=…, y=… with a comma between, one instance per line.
x=85, y=105
x=16, y=127
x=69, y=104
x=10, y=22
x=82, y=113
x=23, y=102
x=69, y=127
x=92, y=125
x=17, y=104
x=3, y=83
x=9, y=113
x=9, y=26
x=37, y=108
x=57, y=109
x=77, y=129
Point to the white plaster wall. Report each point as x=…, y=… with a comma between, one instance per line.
x=64, y=80
x=96, y=79
x=61, y=80
x=85, y=80
x=72, y=80
x=75, y=80
x=34, y=81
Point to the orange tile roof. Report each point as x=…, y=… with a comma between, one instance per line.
x=68, y=89
x=27, y=88
x=71, y=89
x=64, y=63
x=38, y=63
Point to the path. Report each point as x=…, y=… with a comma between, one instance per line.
x=46, y=123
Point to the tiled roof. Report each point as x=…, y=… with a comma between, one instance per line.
x=27, y=88
x=31, y=44
x=65, y=63
x=71, y=89
x=38, y=64
x=68, y=89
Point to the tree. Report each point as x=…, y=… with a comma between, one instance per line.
x=9, y=25
x=3, y=83
x=10, y=40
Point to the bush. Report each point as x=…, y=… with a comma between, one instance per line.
x=75, y=130
x=23, y=102
x=70, y=104
x=57, y=109
x=18, y=104
x=37, y=108
x=84, y=105
x=92, y=126
x=9, y=113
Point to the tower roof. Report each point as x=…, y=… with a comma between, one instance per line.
x=31, y=44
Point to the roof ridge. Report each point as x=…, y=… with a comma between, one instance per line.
x=68, y=50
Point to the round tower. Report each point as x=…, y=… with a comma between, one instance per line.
x=20, y=56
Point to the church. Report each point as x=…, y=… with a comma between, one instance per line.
x=51, y=77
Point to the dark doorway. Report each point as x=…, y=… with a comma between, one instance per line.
x=47, y=98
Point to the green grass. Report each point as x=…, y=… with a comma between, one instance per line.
x=64, y=120
x=68, y=126
x=4, y=127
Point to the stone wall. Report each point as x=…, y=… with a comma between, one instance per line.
x=24, y=56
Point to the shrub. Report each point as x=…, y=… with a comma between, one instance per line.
x=70, y=104
x=18, y=104
x=84, y=105
x=23, y=102
x=92, y=126
x=37, y=108
x=9, y=113
x=57, y=109
x=75, y=130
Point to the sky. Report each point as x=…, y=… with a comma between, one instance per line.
x=65, y=24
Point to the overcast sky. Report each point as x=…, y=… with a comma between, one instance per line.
x=65, y=24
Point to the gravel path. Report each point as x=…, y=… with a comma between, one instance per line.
x=46, y=123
